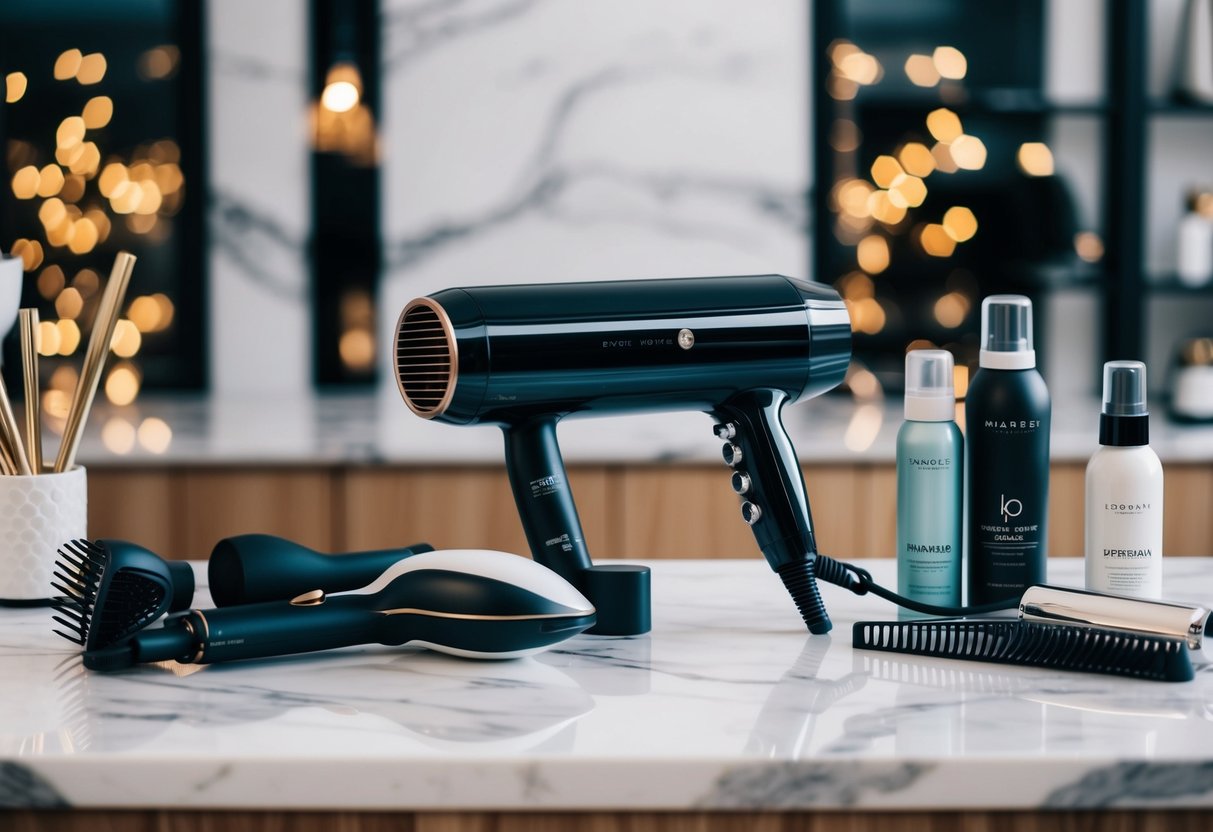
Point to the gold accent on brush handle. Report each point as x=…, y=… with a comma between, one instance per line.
x=29, y=370
x=12, y=434
x=94, y=359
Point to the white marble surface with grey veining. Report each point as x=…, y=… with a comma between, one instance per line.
x=727, y=704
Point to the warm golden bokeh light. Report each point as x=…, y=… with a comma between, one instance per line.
x=840, y=88
x=342, y=88
x=118, y=435
x=960, y=380
x=1035, y=159
x=864, y=384
x=102, y=222
x=112, y=176
x=126, y=197
x=884, y=170
x=64, y=378
x=155, y=435
x=357, y=349
x=51, y=282
x=936, y=242
x=70, y=132
x=70, y=303
x=126, y=340
x=916, y=160
x=86, y=282
x=73, y=188
x=84, y=236
x=86, y=162
x=920, y=344
x=30, y=252
x=15, y=84
x=960, y=223
x=942, y=154
x=944, y=125
x=861, y=68
x=873, y=254
x=882, y=208
x=867, y=315
x=852, y=197
x=158, y=63
x=98, y=112
x=52, y=212
x=951, y=310
x=950, y=62
x=67, y=64
x=909, y=190
x=48, y=338
x=69, y=336
x=921, y=71
x=92, y=69
x=856, y=286
x=50, y=180
x=1089, y=246
x=845, y=136
x=969, y=152
x=25, y=182
x=122, y=384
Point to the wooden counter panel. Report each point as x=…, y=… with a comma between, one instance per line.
x=137, y=505
x=631, y=511
x=826, y=821
x=297, y=504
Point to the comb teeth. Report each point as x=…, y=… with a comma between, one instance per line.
x=1084, y=649
x=78, y=572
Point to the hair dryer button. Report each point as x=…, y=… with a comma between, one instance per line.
x=750, y=512
x=732, y=455
x=726, y=431
x=741, y=482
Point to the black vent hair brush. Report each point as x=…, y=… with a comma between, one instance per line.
x=1060, y=646
x=112, y=589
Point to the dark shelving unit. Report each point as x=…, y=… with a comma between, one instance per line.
x=1126, y=112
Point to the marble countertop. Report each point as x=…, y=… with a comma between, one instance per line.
x=727, y=704
x=332, y=430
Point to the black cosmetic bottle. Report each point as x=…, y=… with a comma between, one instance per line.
x=1007, y=413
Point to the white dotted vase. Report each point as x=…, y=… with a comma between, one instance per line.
x=37, y=516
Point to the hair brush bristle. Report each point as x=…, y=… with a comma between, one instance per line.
x=104, y=600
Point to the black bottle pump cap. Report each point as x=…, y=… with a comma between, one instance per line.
x=621, y=593
x=1125, y=421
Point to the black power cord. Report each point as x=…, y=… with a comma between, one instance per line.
x=859, y=580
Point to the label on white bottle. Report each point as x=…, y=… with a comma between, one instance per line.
x=1124, y=525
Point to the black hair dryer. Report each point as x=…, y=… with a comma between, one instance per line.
x=739, y=348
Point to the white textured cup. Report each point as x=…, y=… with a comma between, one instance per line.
x=37, y=516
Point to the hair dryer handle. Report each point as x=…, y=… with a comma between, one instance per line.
x=766, y=475
x=545, y=500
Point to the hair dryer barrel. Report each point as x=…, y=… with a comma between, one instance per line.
x=500, y=353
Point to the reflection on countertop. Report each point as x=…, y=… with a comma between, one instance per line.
x=378, y=429
x=726, y=704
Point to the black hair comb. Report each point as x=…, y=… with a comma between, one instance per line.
x=1060, y=646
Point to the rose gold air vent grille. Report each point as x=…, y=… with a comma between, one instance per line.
x=426, y=360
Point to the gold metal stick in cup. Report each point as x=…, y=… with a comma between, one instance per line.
x=94, y=359
x=29, y=370
x=12, y=434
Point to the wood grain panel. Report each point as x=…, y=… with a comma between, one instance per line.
x=136, y=505
x=465, y=507
x=683, y=511
x=831, y=821
x=835, y=500
x=1187, y=510
x=1067, y=510
x=877, y=530
x=294, y=503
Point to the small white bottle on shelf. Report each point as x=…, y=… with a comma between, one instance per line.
x=1195, y=267
x=1124, y=491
